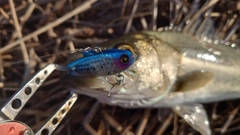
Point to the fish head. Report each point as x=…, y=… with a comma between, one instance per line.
x=144, y=82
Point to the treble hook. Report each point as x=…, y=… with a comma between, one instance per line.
x=97, y=49
x=88, y=49
x=119, y=79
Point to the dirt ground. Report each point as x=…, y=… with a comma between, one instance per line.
x=34, y=33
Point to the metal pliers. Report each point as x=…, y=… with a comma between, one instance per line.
x=9, y=126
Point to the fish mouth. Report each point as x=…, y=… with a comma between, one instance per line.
x=103, y=96
x=100, y=87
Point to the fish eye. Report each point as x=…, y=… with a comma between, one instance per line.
x=124, y=58
x=125, y=46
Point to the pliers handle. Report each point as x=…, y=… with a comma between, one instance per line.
x=15, y=104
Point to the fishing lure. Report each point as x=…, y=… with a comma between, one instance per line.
x=102, y=62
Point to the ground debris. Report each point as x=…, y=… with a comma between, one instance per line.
x=34, y=33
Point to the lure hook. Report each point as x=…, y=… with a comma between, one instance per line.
x=119, y=79
x=96, y=49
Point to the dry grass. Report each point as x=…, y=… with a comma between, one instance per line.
x=34, y=33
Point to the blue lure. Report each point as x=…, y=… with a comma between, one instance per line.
x=102, y=63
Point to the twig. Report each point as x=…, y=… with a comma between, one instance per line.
x=22, y=44
x=101, y=128
x=1, y=69
x=143, y=122
x=199, y=13
x=6, y=16
x=131, y=17
x=152, y=123
x=28, y=13
x=144, y=23
x=228, y=122
x=214, y=113
x=78, y=10
x=165, y=125
x=155, y=13
x=124, y=7
x=112, y=122
x=127, y=130
x=175, y=124
x=89, y=117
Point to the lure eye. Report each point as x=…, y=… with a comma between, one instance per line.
x=124, y=58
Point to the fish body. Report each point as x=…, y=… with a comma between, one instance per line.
x=174, y=70
x=106, y=62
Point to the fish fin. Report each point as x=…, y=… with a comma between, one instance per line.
x=194, y=80
x=195, y=115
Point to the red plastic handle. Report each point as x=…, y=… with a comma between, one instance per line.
x=13, y=128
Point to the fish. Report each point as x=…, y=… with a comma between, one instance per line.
x=103, y=63
x=172, y=69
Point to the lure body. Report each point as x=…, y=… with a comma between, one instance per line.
x=106, y=62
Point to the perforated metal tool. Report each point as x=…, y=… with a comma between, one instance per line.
x=9, y=126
